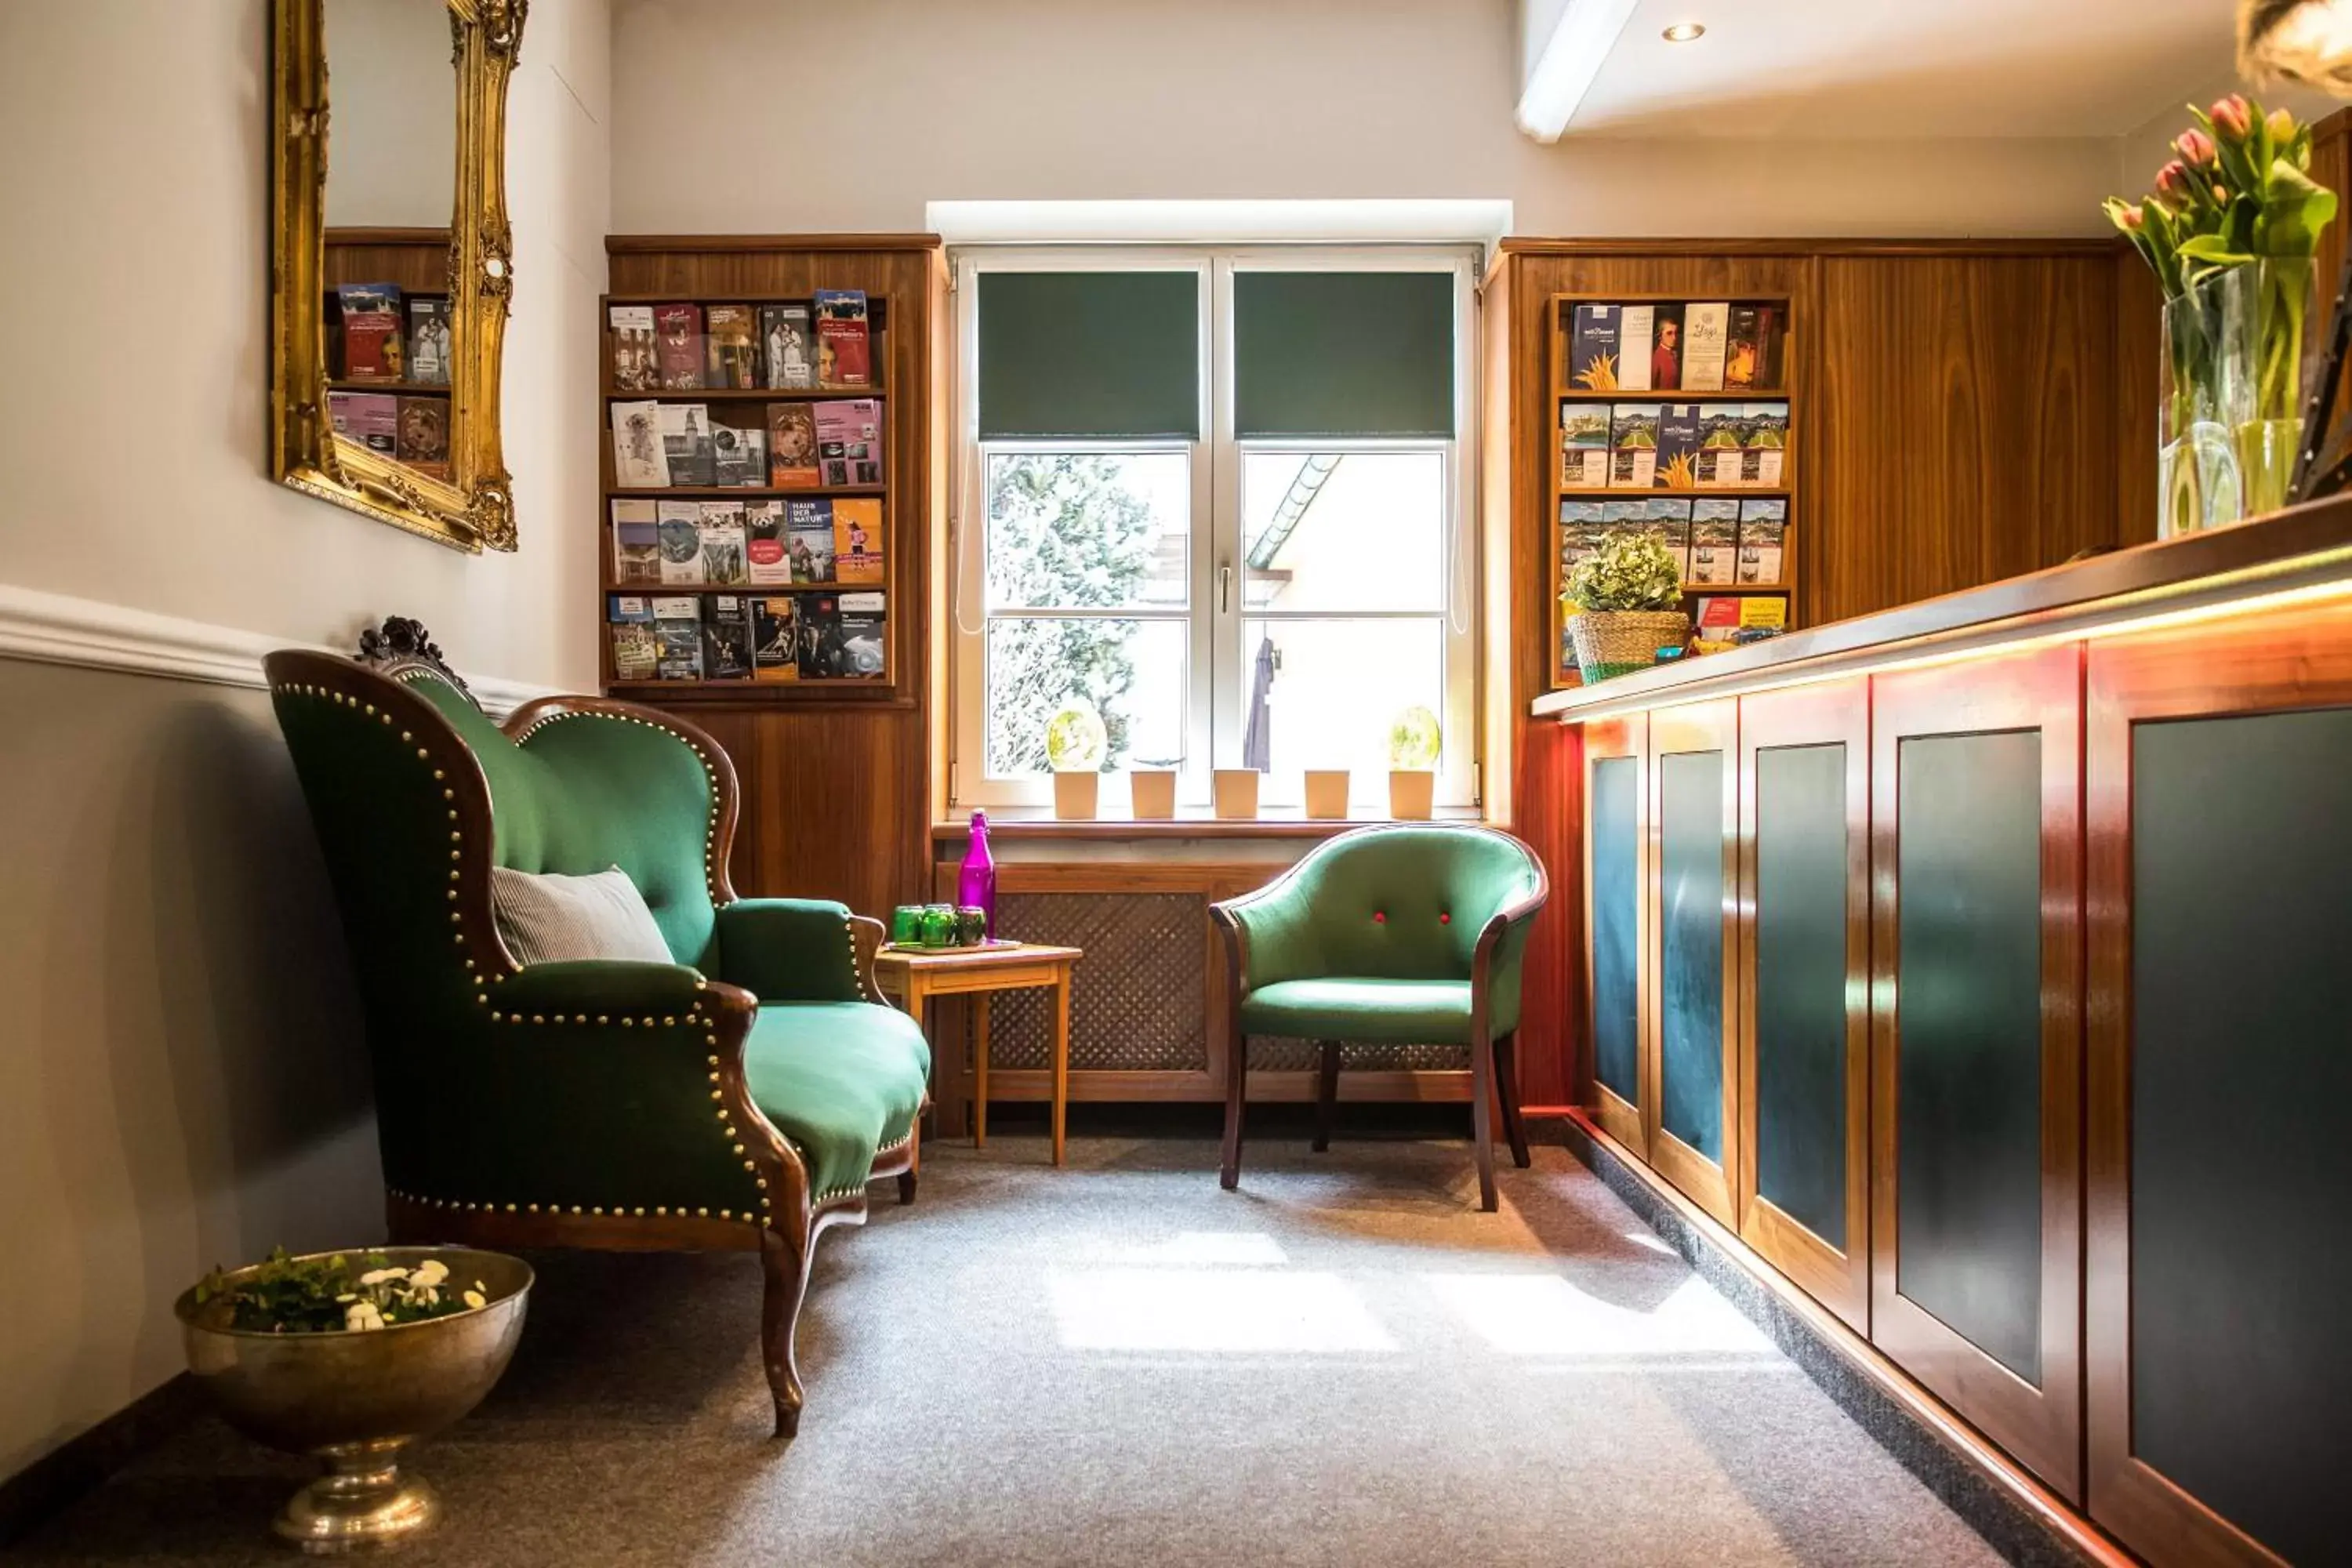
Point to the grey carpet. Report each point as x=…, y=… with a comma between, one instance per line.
x=1118, y=1364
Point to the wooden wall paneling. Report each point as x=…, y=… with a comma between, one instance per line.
x=1828, y=722
x=1551, y=1057
x=2331, y=165
x=1996, y=1201
x=1692, y=270
x=1963, y=422
x=1691, y=954
x=2139, y=330
x=416, y=258
x=836, y=795
x=2247, y=1364
x=1618, y=940
x=1554, y=1046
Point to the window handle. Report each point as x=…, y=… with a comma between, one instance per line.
x=1224, y=590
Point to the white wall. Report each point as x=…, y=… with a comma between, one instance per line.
x=182, y=1081
x=1078, y=98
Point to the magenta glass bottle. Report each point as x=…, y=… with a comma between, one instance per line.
x=976, y=882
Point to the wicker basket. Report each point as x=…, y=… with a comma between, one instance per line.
x=1612, y=642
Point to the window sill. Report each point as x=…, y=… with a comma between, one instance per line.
x=1036, y=823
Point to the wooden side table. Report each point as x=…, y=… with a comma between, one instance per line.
x=912, y=976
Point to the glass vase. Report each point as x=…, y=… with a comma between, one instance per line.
x=2232, y=407
x=2265, y=309
x=2198, y=477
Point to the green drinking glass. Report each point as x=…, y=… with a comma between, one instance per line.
x=905, y=925
x=971, y=926
x=938, y=925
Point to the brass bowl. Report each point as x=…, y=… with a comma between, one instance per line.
x=355, y=1398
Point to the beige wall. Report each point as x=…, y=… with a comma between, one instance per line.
x=133, y=281
x=181, y=1077
x=395, y=140
x=1082, y=100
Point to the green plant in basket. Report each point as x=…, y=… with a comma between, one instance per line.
x=1630, y=572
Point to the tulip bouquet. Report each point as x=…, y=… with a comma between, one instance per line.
x=2230, y=233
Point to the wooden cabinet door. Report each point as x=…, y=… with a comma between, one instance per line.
x=1615, y=921
x=1976, y=1049
x=1692, y=1118
x=1804, y=983
x=2219, y=768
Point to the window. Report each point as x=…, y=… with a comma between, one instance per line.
x=1220, y=498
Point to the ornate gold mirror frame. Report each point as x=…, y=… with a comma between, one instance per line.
x=474, y=508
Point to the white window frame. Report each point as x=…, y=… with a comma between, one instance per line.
x=1216, y=571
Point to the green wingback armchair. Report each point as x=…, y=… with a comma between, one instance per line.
x=1402, y=934
x=740, y=1097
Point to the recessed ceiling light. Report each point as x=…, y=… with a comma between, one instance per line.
x=1684, y=32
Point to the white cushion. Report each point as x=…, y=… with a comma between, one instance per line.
x=552, y=918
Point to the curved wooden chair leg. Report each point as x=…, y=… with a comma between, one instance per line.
x=1326, y=1093
x=1482, y=1117
x=780, y=1316
x=907, y=1186
x=1507, y=1083
x=1236, y=1082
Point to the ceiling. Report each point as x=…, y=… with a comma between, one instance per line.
x=1843, y=70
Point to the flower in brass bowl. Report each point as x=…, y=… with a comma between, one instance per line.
x=352, y=1356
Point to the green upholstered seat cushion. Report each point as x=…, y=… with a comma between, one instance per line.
x=841, y=1080
x=1373, y=1011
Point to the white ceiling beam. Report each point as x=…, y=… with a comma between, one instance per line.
x=1563, y=44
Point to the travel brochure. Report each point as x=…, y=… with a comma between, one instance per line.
x=793, y=445
x=1692, y=347
x=822, y=540
x=823, y=345
x=746, y=636
x=1723, y=540
x=1672, y=446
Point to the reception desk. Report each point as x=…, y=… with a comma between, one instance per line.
x=1983, y=969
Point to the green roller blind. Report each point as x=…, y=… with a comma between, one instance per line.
x=1343, y=353
x=1089, y=354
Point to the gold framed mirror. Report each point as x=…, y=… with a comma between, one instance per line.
x=386, y=325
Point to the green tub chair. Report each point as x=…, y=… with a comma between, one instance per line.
x=1404, y=933
x=740, y=1097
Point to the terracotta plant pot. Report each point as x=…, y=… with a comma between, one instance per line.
x=1236, y=791
x=1411, y=793
x=1152, y=793
x=1075, y=796
x=1327, y=793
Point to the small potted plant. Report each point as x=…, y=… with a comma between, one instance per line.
x=1152, y=792
x=1327, y=793
x=349, y=1357
x=1074, y=744
x=1235, y=791
x=1628, y=595
x=1413, y=744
